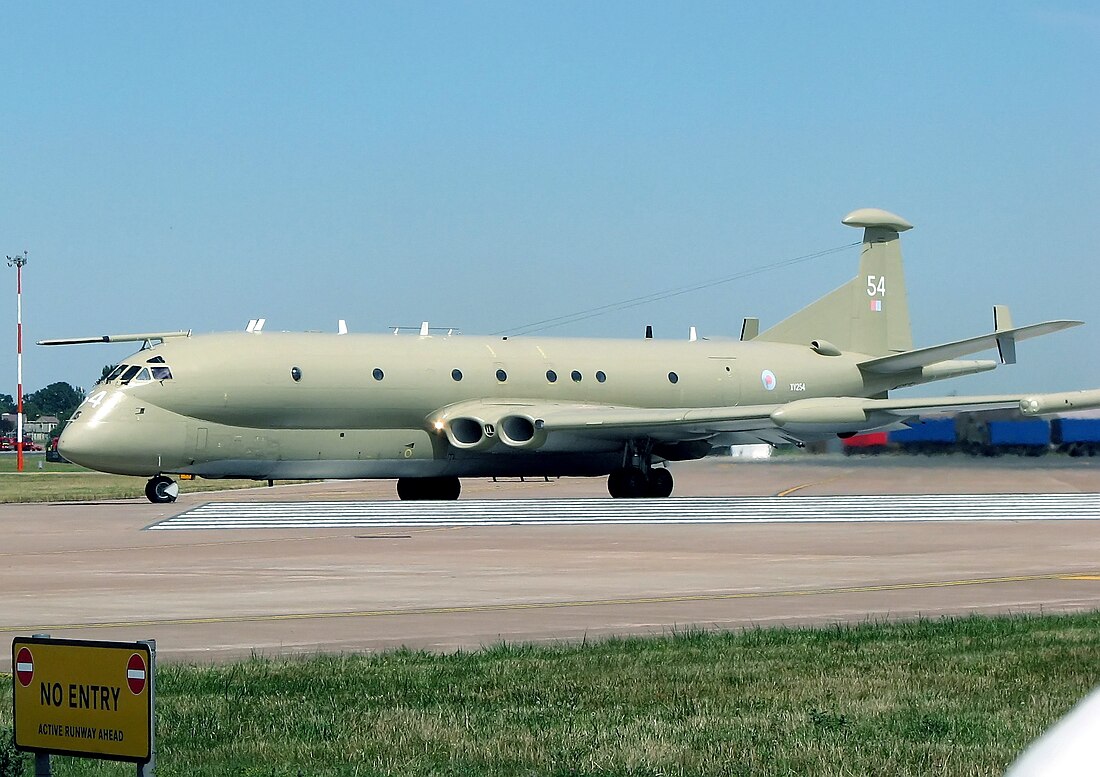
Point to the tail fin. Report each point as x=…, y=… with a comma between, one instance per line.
x=868, y=314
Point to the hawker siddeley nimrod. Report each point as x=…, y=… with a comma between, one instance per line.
x=430, y=409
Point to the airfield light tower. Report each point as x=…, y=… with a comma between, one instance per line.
x=18, y=261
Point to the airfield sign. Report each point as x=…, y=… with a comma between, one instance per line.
x=84, y=698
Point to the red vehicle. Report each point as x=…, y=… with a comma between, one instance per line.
x=8, y=444
x=53, y=454
x=871, y=442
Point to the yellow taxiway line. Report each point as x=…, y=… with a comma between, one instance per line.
x=793, y=489
x=513, y=606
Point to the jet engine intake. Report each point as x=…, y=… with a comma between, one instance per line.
x=471, y=434
x=521, y=431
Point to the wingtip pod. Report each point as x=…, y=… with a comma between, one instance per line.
x=1045, y=404
x=876, y=217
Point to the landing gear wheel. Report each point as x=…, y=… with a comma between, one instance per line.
x=420, y=489
x=627, y=483
x=162, y=490
x=660, y=483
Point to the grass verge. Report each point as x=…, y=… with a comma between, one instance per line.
x=52, y=482
x=950, y=697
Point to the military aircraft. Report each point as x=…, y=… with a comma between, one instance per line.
x=429, y=409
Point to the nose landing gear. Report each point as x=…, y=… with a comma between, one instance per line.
x=162, y=490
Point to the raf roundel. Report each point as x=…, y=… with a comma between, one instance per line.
x=767, y=377
x=136, y=674
x=24, y=667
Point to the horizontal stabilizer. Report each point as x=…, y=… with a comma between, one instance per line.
x=923, y=357
x=134, y=338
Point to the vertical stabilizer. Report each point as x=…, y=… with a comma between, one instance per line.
x=868, y=314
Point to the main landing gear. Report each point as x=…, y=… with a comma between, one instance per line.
x=637, y=478
x=419, y=489
x=162, y=490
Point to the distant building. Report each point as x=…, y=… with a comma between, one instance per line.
x=37, y=430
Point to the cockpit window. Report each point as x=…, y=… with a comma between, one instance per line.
x=162, y=373
x=129, y=374
x=155, y=360
x=143, y=376
x=114, y=373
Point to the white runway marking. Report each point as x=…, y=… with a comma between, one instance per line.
x=575, y=512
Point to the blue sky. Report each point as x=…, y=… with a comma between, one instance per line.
x=486, y=165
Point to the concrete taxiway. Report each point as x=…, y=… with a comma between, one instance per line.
x=206, y=593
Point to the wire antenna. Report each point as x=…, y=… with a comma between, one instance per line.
x=633, y=302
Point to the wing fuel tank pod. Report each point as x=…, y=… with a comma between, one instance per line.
x=840, y=415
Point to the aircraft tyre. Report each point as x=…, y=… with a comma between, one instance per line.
x=420, y=489
x=660, y=483
x=161, y=490
x=627, y=483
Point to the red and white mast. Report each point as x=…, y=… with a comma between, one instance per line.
x=18, y=262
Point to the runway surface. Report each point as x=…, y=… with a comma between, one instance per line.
x=582, y=512
x=340, y=566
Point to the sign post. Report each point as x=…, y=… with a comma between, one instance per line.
x=84, y=698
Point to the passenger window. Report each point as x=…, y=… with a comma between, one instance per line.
x=129, y=374
x=576, y=376
x=551, y=376
x=600, y=376
x=162, y=373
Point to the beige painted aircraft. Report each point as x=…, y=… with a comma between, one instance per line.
x=430, y=409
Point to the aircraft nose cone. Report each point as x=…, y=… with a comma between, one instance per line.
x=75, y=444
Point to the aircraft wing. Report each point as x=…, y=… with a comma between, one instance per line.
x=519, y=424
x=131, y=338
x=922, y=357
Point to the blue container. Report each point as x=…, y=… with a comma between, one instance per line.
x=1071, y=430
x=1033, y=432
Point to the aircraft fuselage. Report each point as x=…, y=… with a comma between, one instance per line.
x=288, y=405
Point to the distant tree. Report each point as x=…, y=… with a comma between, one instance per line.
x=6, y=426
x=7, y=403
x=59, y=399
x=106, y=370
x=31, y=410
